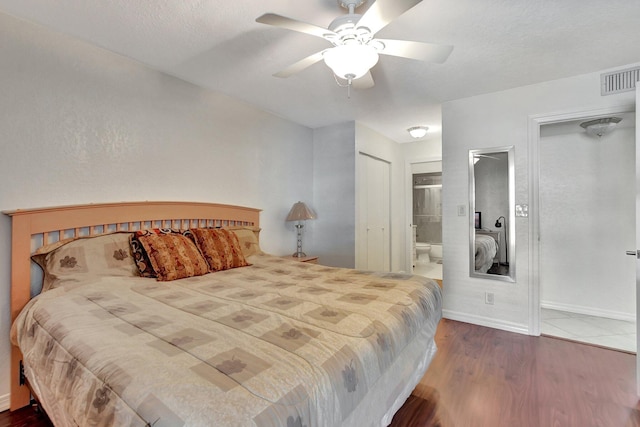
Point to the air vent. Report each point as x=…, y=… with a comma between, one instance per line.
x=619, y=81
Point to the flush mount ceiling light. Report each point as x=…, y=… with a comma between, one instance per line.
x=418, y=131
x=601, y=126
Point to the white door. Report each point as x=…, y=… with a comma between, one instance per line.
x=374, y=207
x=634, y=251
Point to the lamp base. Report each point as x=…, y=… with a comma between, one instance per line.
x=299, y=255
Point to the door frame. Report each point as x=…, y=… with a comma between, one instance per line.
x=637, y=141
x=409, y=206
x=535, y=122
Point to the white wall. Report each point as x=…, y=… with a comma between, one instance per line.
x=333, y=235
x=334, y=162
x=80, y=125
x=492, y=120
x=587, y=197
x=335, y=157
x=426, y=167
x=422, y=151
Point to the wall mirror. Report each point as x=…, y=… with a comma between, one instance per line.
x=492, y=213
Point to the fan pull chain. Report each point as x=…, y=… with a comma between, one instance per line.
x=348, y=85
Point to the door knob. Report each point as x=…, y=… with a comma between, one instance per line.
x=634, y=253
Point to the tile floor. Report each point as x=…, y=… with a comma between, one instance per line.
x=617, y=334
x=432, y=270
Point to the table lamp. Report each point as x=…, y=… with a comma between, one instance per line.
x=300, y=212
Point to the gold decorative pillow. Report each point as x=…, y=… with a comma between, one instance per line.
x=102, y=255
x=220, y=247
x=248, y=237
x=140, y=254
x=173, y=256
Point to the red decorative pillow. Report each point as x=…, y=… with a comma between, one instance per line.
x=221, y=248
x=171, y=255
x=140, y=254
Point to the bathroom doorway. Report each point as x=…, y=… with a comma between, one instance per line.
x=586, y=211
x=426, y=219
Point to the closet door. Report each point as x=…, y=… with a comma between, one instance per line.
x=374, y=214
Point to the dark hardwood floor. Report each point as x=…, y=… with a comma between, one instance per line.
x=25, y=417
x=486, y=377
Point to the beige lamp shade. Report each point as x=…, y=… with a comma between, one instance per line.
x=300, y=212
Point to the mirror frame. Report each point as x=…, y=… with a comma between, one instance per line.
x=510, y=233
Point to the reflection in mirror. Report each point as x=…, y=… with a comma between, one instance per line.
x=491, y=208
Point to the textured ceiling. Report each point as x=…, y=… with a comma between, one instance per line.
x=498, y=44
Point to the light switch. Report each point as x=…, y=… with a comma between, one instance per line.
x=462, y=210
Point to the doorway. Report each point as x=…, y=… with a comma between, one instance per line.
x=424, y=209
x=583, y=211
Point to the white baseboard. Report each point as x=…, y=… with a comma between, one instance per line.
x=486, y=321
x=4, y=402
x=609, y=314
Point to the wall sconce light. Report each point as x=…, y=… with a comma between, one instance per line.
x=601, y=126
x=418, y=132
x=300, y=212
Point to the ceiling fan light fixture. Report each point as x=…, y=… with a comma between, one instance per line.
x=355, y=49
x=350, y=61
x=418, y=132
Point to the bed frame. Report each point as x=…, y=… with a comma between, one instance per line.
x=32, y=228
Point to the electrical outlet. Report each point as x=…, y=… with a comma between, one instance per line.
x=488, y=298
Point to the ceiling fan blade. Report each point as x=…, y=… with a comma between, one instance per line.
x=364, y=82
x=382, y=12
x=300, y=65
x=292, y=24
x=429, y=52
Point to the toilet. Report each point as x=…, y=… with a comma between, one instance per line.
x=422, y=252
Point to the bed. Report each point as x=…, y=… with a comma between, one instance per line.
x=272, y=343
x=486, y=249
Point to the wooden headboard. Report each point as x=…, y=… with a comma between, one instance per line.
x=32, y=228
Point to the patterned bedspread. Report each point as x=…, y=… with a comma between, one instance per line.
x=279, y=343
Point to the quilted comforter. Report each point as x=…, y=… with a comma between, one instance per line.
x=279, y=343
x=486, y=249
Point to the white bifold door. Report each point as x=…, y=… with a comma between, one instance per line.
x=374, y=223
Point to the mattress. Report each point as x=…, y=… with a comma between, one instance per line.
x=278, y=343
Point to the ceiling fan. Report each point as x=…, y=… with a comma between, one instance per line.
x=355, y=49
